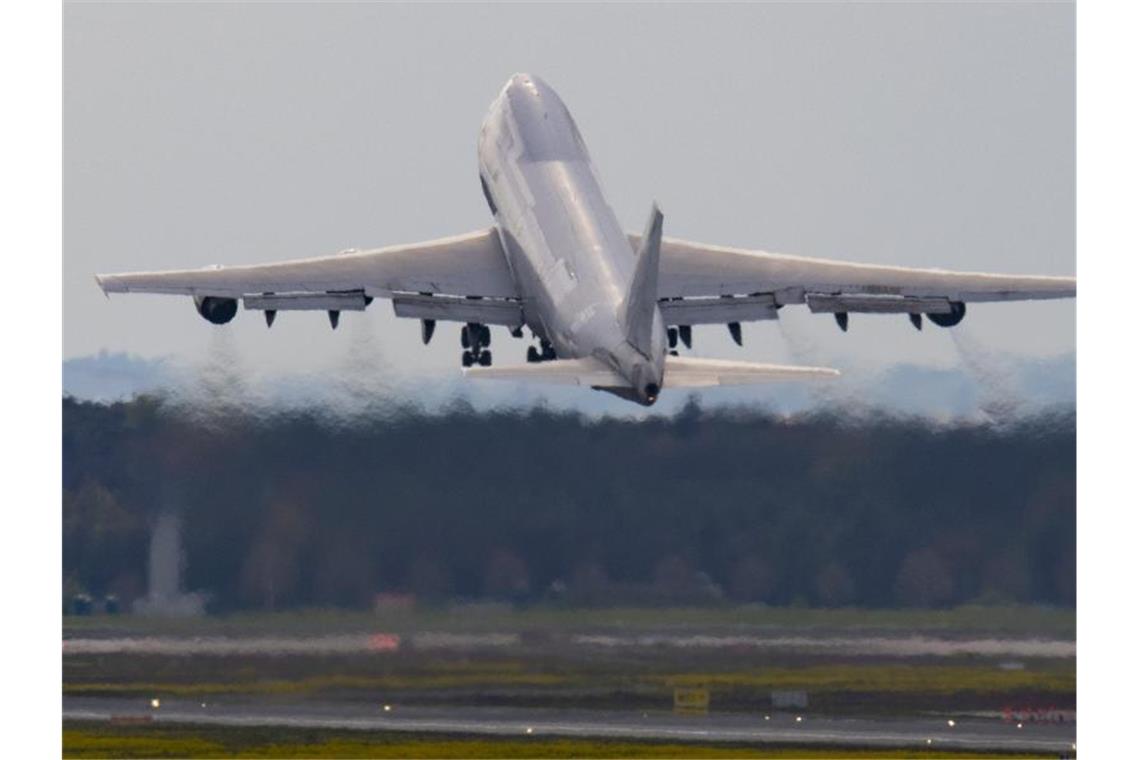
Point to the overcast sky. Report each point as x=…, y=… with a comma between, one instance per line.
x=914, y=134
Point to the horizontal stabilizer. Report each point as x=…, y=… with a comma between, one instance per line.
x=587, y=371
x=686, y=372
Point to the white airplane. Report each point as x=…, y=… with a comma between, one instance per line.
x=608, y=308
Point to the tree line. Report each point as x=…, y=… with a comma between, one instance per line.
x=703, y=507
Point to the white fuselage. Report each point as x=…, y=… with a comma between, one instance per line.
x=571, y=260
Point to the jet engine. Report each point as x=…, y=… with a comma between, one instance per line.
x=216, y=310
x=949, y=319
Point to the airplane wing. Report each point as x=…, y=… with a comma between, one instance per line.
x=463, y=278
x=702, y=283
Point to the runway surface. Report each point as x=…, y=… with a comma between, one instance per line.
x=870, y=645
x=778, y=728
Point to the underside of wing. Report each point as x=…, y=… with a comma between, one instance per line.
x=465, y=278
x=687, y=372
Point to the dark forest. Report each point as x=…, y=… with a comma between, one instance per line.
x=541, y=507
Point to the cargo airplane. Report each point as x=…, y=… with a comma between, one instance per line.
x=607, y=308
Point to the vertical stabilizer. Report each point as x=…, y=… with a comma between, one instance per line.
x=641, y=303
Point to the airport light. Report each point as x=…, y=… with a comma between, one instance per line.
x=799, y=719
x=154, y=703
x=950, y=723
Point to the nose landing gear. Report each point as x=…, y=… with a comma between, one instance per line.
x=475, y=338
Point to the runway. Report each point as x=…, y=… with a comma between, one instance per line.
x=769, y=642
x=777, y=728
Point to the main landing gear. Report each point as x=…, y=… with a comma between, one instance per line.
x=475, y=338
x=534, y=355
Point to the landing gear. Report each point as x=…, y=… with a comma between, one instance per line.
x=475, y=337
x=543, y=354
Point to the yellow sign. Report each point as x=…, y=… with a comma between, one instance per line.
x=689, y=701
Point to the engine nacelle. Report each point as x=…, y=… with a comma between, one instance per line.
x=216, y=310
x=949, y=319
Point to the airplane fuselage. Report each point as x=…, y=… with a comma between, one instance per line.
x=570, y=258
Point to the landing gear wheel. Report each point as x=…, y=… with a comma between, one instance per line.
x=532, y=355
x=485, y=335
x=464, y=338
x=485, y=359
x=468, y=359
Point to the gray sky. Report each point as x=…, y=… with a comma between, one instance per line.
x=914, y=134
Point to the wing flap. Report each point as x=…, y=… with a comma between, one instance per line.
x=687, y=372
x=487, y=311
x=718, y=310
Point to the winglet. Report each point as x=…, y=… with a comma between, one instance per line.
x=641, y=301
x=99, y=282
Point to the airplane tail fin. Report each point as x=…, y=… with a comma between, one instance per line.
x=641, y=301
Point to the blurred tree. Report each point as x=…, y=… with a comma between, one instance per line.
x=751, y=580
x=1006, y=577
x=103, y=540
x=834, y=586
x=507, y=576
x=673, y=577
x=924, y=580
x=428, y=579
x=589, y=583
x=308, y=508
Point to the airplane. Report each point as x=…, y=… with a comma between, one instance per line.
x=607, y=308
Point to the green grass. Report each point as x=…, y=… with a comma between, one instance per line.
x=819, y=679
x=87, y=740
